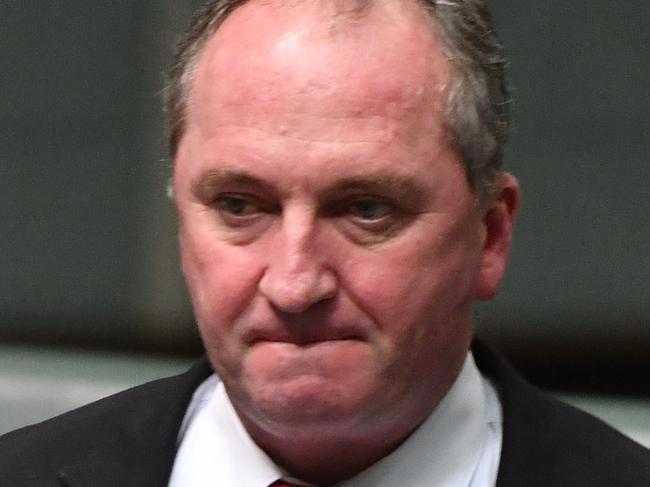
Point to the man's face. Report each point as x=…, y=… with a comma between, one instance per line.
x=329, y=239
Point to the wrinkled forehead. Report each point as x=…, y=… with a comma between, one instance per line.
x=381, y=55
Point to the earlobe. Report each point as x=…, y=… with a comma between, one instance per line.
x=498, y=221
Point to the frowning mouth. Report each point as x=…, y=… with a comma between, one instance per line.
x=302, y=334
x=306, y=341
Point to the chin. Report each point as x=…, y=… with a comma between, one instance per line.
x=305, y=400
x=317, y=416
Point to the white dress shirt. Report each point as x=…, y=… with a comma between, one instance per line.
x=459, y=445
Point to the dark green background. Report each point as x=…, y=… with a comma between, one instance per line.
x=87, y=247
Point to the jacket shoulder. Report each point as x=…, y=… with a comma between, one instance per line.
x=549, y=443
x=138, y=422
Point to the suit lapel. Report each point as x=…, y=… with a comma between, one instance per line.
x=520, y=419
x=138, y=447
x=531, y=443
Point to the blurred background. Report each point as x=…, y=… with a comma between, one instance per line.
x=91, y=299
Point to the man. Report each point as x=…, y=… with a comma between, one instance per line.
x=341, y=206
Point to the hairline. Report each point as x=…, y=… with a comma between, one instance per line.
x=482, y=179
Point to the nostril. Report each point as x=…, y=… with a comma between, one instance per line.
x=295, y=294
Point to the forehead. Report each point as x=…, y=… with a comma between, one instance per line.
x=326, y=58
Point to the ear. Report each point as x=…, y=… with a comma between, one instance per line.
x=498, y=220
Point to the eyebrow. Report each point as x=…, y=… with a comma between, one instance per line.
x=380, y=181
x=394, y=185
x=204, y=185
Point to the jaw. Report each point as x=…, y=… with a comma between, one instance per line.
x=326, y=442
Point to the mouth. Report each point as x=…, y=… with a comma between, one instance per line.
x=307, y=342
x=302, y=338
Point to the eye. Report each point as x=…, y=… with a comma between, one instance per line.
x=236, y=205
x=370, y=219
x=241, y=210
x=370, y=210
x=240, y=218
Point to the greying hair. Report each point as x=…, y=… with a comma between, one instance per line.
x=477, y=115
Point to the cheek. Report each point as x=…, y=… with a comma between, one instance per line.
x=221, y=279
x=415, y=294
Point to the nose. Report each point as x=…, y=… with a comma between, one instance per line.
x=297, y=275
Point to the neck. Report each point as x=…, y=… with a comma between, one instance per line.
x=327, y=453
x=325, y=458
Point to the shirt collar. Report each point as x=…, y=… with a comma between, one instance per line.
x=216, y=449
x=446, y=447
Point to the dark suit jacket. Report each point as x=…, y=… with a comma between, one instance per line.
x=130, y=439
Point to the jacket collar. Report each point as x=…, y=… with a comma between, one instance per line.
x=532, y=448
x=150, y=433
x=529, y=438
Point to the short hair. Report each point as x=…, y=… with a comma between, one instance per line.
x=477, y=114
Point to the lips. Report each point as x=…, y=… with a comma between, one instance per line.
x=301, y=336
